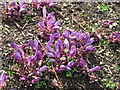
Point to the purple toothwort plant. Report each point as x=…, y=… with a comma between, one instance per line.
x=30, y=58
x=69, y=46
x=38, y=5
x=48, y=24
x=3, y=79
x=14, y=10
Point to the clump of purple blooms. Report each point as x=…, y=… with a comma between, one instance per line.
x=68, y=49
x=48, y=24
x=64, y=50
x=14, y=10
x=30, y=57
x=112, y=38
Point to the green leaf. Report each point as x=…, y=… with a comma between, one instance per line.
x=48, y=63
x=68, y=74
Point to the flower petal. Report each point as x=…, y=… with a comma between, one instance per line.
x=95, y=69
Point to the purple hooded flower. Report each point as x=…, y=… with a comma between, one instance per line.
x=36, y=79
x=21, y=52
x=39, y=55
x=90, y=48
x=60, y=43
x=72, y=51
x=114, y=37
x=50, y=54
x=95, y=69
x=66, y=43
x=31, y=44
x=3, y=79
x=57, y=23
x=73, y=35
x=44, y=68
x=51, y=60
x=41, y=25
x=23, y=78
x=62, y=67
x=14, y=9
x=71, y=64
x=57, y=54
x=18, y=56
x=44, y=12
x=48, y=48
x=36, y=44
x=83, y=63
x=66, y=34
x=68, y=68
x=56, y=45
x=14, y=45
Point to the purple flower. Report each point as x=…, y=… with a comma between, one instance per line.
x=62, y=67
x=73, y=35
x=36, y=79
x=50, y=54
x=39, y=55
x=57, y=23
x=14, y=10
x=90, y=48
x=66, y=34
x=44, y=68
x=57, y=54
x=114, y=37
x=18, y=56
x=36, y=44
x=44, y=12
x=83, y=63
x=51, y=60
x=66, y=43
x=31, y=44
x=68, y=68
x=23, y=78
x=21, y=52
x=41, y=25
x=48, y=48
x=95, y=69
x=3, y=79
x=14, y=45
x=72, y=51
x=60, y=43
x=71, y=64
x=56, y=45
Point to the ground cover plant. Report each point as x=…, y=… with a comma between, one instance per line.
x=49, y=50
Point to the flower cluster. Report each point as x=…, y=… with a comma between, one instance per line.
x=48, y=24
x=3, y=79
x=39, y=5
x=68, y=49
x=112, y=38
x=13, y=10
x=30, y=56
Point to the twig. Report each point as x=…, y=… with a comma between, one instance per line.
x=17, y=25
x=25, y=25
